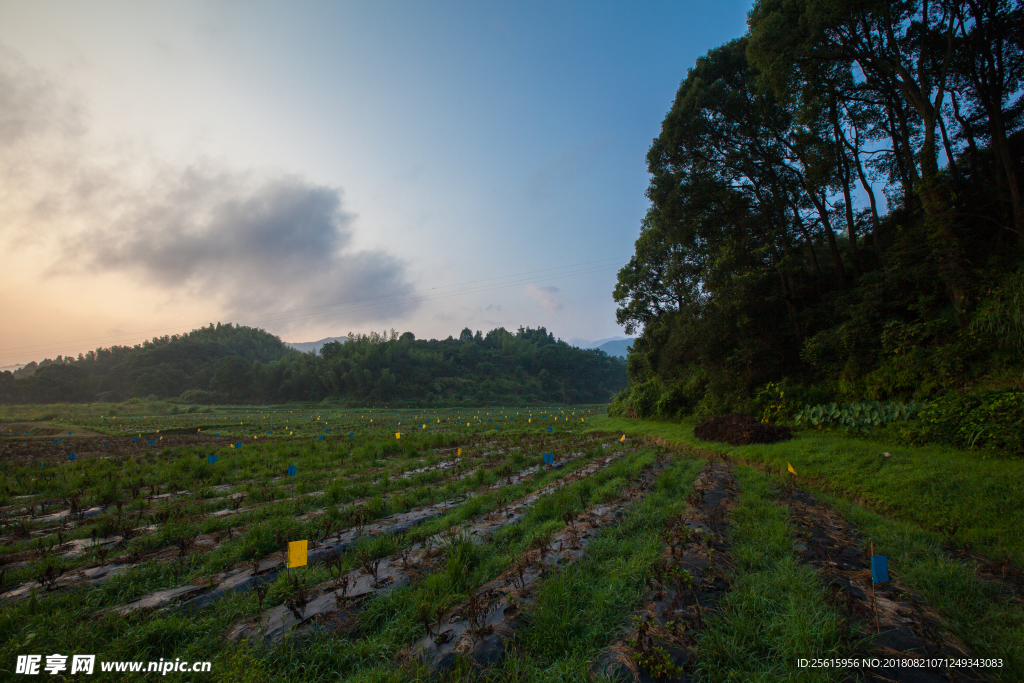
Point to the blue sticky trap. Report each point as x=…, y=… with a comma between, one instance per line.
x=135, y=438
x=238, y=444
x=212, y=458
x=495, y=429
x=550, y=430
x=879, y=569
x=351, y=435
x=292, y=470
x=151, y=442
x=71, y=456
x=69, y=433
x=42, y=465
x=328, y=431
x=268, y=431
x=320, y=438
x=56, y=441
x=549, y=458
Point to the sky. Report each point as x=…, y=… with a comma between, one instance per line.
x=319, y=168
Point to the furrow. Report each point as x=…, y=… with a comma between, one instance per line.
x=685, y=584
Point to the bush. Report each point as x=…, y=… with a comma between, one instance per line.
x=198, y=396
x=641, y=397
x=992, y=419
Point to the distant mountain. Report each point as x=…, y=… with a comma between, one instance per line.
x=587, y=344
x=617, y=347
x=306, y=347
x=613, y=346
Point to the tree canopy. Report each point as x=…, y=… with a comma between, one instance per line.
x=834, y=201
x=243, y=364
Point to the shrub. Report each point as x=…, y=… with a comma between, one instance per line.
x=198, y=396
x=859, y=417
x=993, y=419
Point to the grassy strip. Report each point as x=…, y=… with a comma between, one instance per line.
x=261, y=526
x=582, y=609
x=935, y=487
x=777, y=610
x=974, y=611
x=390, y=622
x=70, y=623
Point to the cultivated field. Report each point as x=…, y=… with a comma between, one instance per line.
x=543, y=544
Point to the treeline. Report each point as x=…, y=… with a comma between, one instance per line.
x=227, y=363
x=835, y=207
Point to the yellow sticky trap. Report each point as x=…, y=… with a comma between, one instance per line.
x=790, y=467
x=623, y=439
x=398, y=435
x=297, y=553
x=459, y=454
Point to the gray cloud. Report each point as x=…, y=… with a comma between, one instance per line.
x=282, y=243
x=546, y=297
x=255, y=244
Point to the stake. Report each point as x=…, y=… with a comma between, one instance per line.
x=874, y=606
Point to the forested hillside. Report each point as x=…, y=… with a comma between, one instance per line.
x=835, y=207
x=243, y=364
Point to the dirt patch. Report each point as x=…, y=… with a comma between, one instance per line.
x=738, y=429
x=30, y=430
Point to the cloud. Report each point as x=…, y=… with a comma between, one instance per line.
x=256, y=247
x=253, y=243
x=546, y=297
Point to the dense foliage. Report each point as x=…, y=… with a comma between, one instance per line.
x=243, y=364
x=835, y=202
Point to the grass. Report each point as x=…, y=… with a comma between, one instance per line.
x=935, y=487
x=775, y=612
x=777, y=609
x=902, y=504
x=973, y=610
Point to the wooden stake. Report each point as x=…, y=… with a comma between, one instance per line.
x=874, y=606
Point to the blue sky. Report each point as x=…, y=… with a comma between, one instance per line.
x=319, y=168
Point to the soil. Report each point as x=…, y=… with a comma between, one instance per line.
x=686, y=584
x=739, y=429
x=901, y=626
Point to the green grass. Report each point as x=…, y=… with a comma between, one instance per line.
x=583, y=609
x=775, y=612
x=777, y=609
x=934, y=487
x=901, y=504
x=973, y=611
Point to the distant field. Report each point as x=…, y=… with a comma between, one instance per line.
x=546, y=544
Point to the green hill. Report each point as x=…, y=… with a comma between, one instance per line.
x=243, y=364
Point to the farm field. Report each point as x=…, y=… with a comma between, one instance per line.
x=494, y=544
